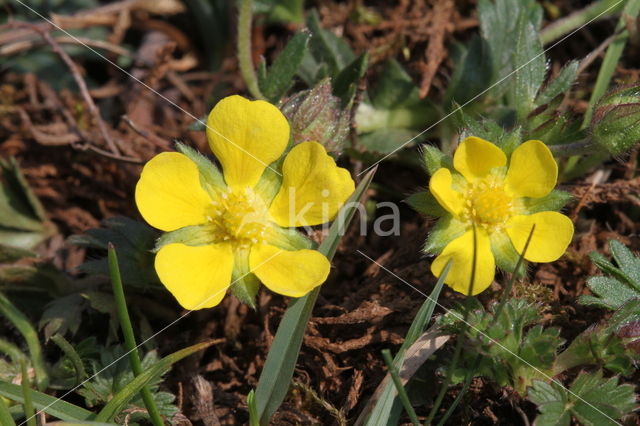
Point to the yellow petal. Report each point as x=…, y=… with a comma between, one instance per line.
x=440, y=187
x=313, y=187
x=475, y=157
x=198, y=277
x=460, y=251
x=533, y=172
x=550, y=239
x=246, y=136
x=290, y=273
x=169, y=195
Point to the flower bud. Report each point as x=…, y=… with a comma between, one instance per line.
x=615, y=126
x=316, y=115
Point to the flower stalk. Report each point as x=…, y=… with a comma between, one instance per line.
x=244, y=49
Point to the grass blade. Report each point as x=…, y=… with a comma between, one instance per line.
x=278, y=369
x=402, y=393
x=21, y=322
x=382, y=404
x=29, y=411
x=51, y=405
x=129, y=338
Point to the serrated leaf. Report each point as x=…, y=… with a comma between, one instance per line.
x=627, y=262
x=279, y=77
x=560, y=84
x=134, y=240
x=152, y=371
x=62, y=315
x=623, y=285
x=593, y=401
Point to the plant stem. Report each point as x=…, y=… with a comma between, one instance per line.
x=402, y=392
x=244, y=49
x=579, y=18
x=127, y=332
x=611, y=58
x=29, y=411
x=21, y=322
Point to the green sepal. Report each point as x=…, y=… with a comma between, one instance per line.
x=270, y=181
x=553, y=201
x=211, y=178
x=505, y=254
x=435, y=159
x=425, y=203
x=290, y=239
x=195, y=235
x=443, y=232
x=245, y=284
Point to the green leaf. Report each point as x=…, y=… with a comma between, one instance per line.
x=278, y=368
x=327, y=47
x=122, y=398
x=385, y=141
x=279, y=78
x=624, y=283
x=627, y=261
x=593, y=401
x=425, y=203
x=394, y=88
x=560, y=84
x=610, y=293
x=346, y=81
x=51, y=405
x=283, y=11
x=529, y=67
x=135, y=241
x=473, y=73
x=62, y=315
x=500, y=23
x=22, y=217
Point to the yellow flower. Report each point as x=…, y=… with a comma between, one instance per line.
x=497, y=199
x=235, y=227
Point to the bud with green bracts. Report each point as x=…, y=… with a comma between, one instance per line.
x=615, y=126
x=316, y=115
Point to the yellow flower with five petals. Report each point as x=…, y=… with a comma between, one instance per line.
x=495, y=198
x=235, y=228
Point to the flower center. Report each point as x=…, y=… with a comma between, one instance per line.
x=239, y=216
x=487, y=203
